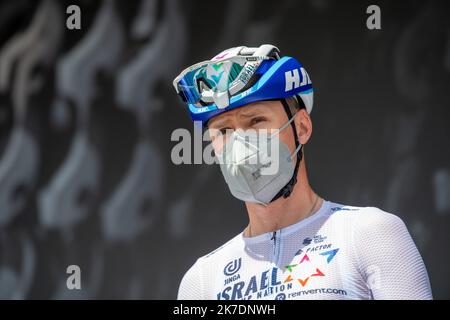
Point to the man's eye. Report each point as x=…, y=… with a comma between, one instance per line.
x=224, y=131
x=257, y=120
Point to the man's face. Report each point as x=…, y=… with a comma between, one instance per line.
x=268, y=115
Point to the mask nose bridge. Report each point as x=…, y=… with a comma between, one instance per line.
x=241, y=137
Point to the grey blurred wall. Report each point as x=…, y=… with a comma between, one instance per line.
x=86, y=118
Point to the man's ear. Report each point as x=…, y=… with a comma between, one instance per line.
x=303, y=124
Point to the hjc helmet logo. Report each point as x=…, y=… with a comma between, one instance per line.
x=293, y=79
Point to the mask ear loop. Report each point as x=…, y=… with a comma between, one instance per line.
x=284, y=126
x=298, y=145
x=287, y=189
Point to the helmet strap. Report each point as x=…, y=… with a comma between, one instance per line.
x=287, y=189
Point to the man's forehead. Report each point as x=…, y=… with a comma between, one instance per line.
x=259, y=106
x=247, y=110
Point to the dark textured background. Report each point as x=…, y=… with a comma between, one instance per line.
x=381, y=134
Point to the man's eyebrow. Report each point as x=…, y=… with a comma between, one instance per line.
x=259, y=111
x=218, y=122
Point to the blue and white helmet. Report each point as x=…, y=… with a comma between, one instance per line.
x=239, y=76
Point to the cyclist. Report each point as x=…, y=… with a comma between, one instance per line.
x=297, y=245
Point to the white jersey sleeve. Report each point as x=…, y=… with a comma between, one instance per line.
x=388, y=258
x=191, y=286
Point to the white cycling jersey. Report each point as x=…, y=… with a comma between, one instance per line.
x=339, y=252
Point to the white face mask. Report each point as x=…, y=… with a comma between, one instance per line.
x=257, y=166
